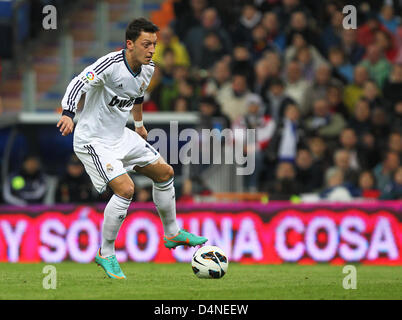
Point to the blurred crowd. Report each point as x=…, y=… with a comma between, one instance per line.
x=326, y=102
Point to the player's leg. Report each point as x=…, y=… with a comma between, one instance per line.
x=163, y=193
x=104, y=169
x=114, y=215
x=115, y=212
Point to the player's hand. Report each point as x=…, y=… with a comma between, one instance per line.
x=142, y=132
x=66, y=125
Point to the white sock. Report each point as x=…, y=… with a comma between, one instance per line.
x=163, y=194
x=115, y=212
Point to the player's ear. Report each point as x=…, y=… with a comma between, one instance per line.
x=129, y=43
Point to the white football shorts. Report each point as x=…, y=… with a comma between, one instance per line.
x=103, y=162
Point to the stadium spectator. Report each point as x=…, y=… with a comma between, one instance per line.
x=250, y=17
x=373, y=95
x=319, y=87
x=284, y=12
x=267, y=5
x=354, y=91
x=319, y=152
x=367, y=185
x=264, y=127
x=324, y=123
x=188, y=89
x=396, y=116
x=354, y=52
x=388, y=19
x=308, y=62
x=385, y=41
x=211, y=116
x=348, y=141
x=360, y=121
x=175, y=82
x=212, y=50
x=233, y=99
x=341, y=69
x=366, y=32
x=274, y=63
x=288, y=136
x=276, y=100
x=393, y=191
x=395, y=142
x=392, y=90
x=26, y=186
x=383, y=171
x=218, y=79
x=368, y=150
x=299, y=23
x=342, y=161
x=334, y=98
x=75, y=186
x=298, y=42
x=241, y=62
x=295, y=86
x=379, y=126
x=285, y=184
x=259, y=44
x=164, y=91
x=331, y=35
x=376, y=64
x=169, y=40
x=181, y=104
x=196, y=36
x=398, y=58
x=275, y=38
x=336, y=189
x=261, y=76
x=188, y=15
x=308, y=174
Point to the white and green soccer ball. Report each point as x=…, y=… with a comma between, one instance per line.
x=210, y=262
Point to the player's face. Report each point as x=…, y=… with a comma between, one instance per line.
x=144, y=47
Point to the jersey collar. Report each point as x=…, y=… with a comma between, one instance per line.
x=128, y=66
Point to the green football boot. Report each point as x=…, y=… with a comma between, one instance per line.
x=183, y=238
x=110, y=265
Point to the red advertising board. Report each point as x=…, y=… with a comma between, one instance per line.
x=366, y=232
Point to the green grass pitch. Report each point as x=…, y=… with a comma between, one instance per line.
x=149, y=281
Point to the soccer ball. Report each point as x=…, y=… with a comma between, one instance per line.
x=209, y=262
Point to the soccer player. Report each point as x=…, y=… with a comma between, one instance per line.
x=114, y=86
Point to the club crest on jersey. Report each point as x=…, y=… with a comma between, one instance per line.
x=121, y=103
x=109, y=168
x=142, y=88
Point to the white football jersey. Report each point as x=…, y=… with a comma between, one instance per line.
x=112, y=89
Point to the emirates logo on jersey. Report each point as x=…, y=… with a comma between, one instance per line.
x=121, y=103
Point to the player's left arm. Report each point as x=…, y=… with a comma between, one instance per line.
x=138, y=124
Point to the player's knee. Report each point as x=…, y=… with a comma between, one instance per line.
x=127, y=191
x=166, y=175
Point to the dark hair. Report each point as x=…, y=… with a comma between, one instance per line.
x=276, y=82
x=168, y=50
x=136, y=26
x=208, y=100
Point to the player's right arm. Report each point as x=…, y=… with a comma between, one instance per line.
x=92, y=76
